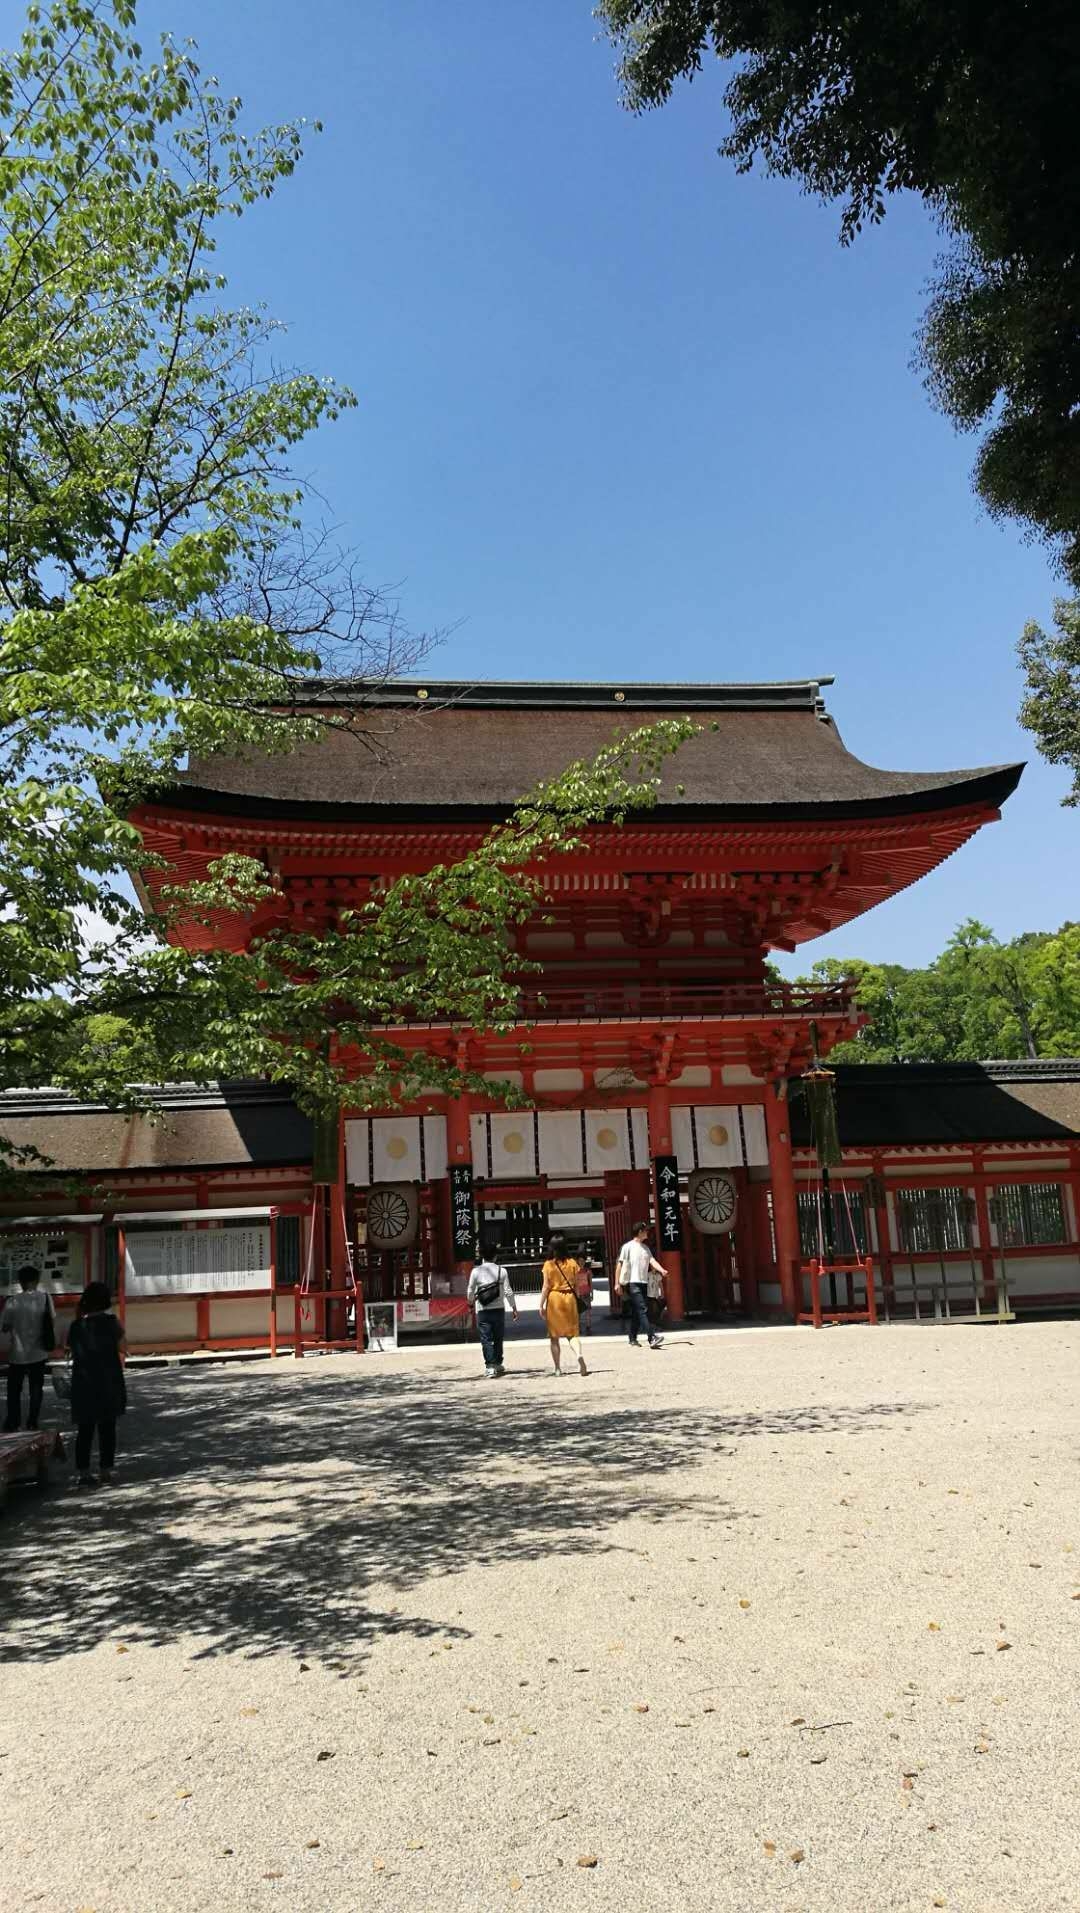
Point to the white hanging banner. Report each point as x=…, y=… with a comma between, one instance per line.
x=434, y=1148
x=756, y=1135
x=707, y=1137
x=513, y=1145
x=481, y=1154
x=356, y=1152
x=561, y=1152
x=616, y=1139
x=395, y=1148
x=719, y=1136
x=388, y=1149
x=682, y=1138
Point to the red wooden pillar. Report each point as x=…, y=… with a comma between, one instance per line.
x=202, y=1303
x=1074, y=1190
x=121, y=1276
x=660, y=1145
x=744, y=1245
x=986, y=1251
x=339, y=1235
x=459, y=1156
x=884, y=1239
x=273, y=1281
x=785, y=1210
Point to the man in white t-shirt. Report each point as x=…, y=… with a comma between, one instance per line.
x=490, y=1293
x=632, y=1278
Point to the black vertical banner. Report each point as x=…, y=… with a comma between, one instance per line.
x=668, y=1213
x=461, y=1210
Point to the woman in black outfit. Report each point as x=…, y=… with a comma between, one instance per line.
x=98, y=1393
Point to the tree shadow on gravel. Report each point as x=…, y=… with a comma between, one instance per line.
x=258, y=1511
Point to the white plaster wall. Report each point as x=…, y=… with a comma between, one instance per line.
x=242, y=1315
x=151, y=1324
x=1042, y=1275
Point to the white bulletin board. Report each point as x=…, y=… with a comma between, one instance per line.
x=209, y=1261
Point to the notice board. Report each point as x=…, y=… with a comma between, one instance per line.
x=211, y=1261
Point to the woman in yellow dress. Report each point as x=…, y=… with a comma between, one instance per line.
x=559, y=1303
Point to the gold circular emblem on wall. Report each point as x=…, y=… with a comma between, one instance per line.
x=397, y=1148
x=718, y=1135
x=606, y=1139
x=514, y=1143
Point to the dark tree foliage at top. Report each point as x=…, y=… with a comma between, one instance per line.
x=975, y=108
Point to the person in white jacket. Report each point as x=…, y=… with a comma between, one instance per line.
x=490, y=1293
x=29, y=1321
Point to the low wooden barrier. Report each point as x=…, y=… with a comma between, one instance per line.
x=847, y=1271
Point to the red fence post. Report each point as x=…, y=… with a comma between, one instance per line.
x=871, y=1299
x=815, y=1291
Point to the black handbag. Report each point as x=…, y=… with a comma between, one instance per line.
x=489, y=1292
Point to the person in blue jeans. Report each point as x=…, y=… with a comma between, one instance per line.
x=632, y=1279
x=490, y=1293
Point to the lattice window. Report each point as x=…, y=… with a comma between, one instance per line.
x=1029, y=1213
x=849, y=1223
x=933, y=1220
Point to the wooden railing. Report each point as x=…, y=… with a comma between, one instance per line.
x=649, y=1002
x=572, y=1001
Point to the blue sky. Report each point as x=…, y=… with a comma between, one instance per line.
x=626, y=415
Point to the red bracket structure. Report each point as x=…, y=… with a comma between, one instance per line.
x=849, y=1270
x=311, y=1316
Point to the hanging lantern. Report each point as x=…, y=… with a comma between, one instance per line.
x=819, y=1086
x=712, y=1199
x=393, y=1215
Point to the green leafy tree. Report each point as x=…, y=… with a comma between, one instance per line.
x=978, y=1000
x=1053, y=967
x=974, y=109
x=142, y=458
x=160, y=595
x=911, y=1016
x=1051, y=709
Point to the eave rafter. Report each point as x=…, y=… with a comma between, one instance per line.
x=780, y=882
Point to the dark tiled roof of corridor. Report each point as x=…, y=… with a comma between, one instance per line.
x=913, y=1103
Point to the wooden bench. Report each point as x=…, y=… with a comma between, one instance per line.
x=26, y=1456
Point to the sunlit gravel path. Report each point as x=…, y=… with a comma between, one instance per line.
x=765, y=1620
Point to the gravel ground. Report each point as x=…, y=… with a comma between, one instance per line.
x=766, y=1620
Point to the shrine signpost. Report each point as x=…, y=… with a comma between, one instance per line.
x=668, y=1210
x=462, y=1211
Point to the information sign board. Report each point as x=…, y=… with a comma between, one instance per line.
x=212, y=1261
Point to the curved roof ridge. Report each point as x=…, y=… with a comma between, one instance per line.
x=556, y=694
